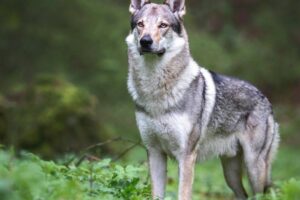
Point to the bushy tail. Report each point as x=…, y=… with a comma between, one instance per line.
x=270, y=149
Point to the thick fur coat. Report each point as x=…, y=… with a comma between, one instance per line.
x=187, y=112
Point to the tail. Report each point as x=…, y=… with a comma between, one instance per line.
x=271, y=147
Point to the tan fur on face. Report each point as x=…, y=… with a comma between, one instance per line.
x=156, y=36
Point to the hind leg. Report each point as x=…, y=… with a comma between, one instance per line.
x=255, y=165
x=259, y=145
x=232, y=168
x=257, y=173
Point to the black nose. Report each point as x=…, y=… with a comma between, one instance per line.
x=146, y=41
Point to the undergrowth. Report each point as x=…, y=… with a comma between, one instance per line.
x=30, y=178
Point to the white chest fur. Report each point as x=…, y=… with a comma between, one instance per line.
x=168, y=132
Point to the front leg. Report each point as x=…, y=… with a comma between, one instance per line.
x=158, y=171
x=186, y=176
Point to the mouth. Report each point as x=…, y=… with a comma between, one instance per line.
x=159, y=53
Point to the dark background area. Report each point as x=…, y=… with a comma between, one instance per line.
x=63, y=67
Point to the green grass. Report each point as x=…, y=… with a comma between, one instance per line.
x=30, y=178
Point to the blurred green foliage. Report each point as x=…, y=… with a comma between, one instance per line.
x=83, y=40
x=51, y=116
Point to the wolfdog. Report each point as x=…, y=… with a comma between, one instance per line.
x=189, y=113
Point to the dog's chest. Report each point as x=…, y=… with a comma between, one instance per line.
x=169, y=132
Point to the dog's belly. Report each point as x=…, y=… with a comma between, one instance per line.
x=168, y=132
x=217, y=145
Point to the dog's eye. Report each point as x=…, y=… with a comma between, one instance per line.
x=140, y=24
x=163, y=25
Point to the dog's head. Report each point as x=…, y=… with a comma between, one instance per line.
x=155, y=27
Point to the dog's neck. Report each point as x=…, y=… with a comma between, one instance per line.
x=158, y=82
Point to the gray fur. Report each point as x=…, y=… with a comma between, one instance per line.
x=188, y=113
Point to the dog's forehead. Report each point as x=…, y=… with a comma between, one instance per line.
x=154, y=11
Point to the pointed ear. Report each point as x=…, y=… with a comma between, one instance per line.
x=136, y=5
x=177, y=6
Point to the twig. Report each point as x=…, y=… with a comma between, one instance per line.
x=125, y=151
x=83, y=154
x=101, y=144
